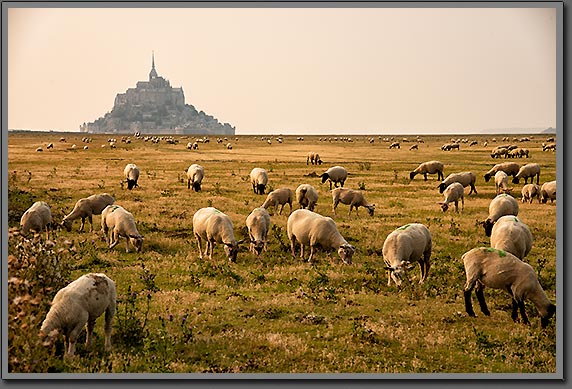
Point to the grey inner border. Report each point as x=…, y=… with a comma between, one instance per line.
x=299, y=379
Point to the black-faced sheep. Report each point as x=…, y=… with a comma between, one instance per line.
x=214, y=226
x=335, y=174
x=548, y=191
x=353, y=198
x=85, y=208
x=307, y=196
x=464, y=178
x=259, y=180
x=117, y=222
x=394, y=145
x=528, y=171
x=37, y=218
x=510, y=168
x=501, y=205
x=313, y=158
x=258, y=224
x=281, y=196
x=452, y=194
x=430, y=167
x=512, y=235
x=131, y=173
x=501, y=182
x=529, y=192
x=195, y=175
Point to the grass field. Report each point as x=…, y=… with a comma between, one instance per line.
x=276, y=314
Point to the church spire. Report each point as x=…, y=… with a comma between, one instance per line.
x=153, y=73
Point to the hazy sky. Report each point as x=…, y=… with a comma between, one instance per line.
x=299, y=71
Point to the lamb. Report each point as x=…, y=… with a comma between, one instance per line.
x=430, y=167
x=195, y=175
x=314, y=158
x=335, y=174
x=511, y=235
x=503, y=204
x=85, y=208
x=79, y=304
x=307, y=196
x=131, y=173
x=117, y=222
x=309, y=228
x=258, y=224
x=548, y=191
x=408, y=243
x=510, y=168
x=529, y=192
x=259, y=180
x=353, y=198
x=281, y=196
x=497, y=269
x=214, y=226
x=37, y=218
x=528, y=171
x=501, y=182
x=464, y=178
x=453, y=193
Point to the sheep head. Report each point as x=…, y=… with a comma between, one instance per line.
x=346, y=251
x=137, y=242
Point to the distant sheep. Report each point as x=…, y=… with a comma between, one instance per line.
x=501, y=182
x=548, y=191
x=353, y=198
x=117, y=222
x=528, y=171
x=512, y=235
x=430, y=167
x=464, y=178
x=307, y=196
x=281, y=196
x=195, y=175
x=258, y=224
x=259, y=180
x=313, y=158
x=85, y=208
x=452, y=194
x=414, y=147
x=335, y=174
x=214, y=226
x=131, y=173
x=510, y=168
x=394, y=145
x=501, y=205
x=229, y=146
x=529, y=192
x=37, y=218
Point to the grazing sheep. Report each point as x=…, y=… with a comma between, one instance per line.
x=117, y=222
x=309, y=228
x=510, y=168
x=50, y=146
x=195, y=175
x=464, y=178
x=512, y=235
x=548, y=191
x=430, y=167
x=214, y=226
x=497, y=269
x=85, y=208
x=37, y=218
x=353, y=198
x=281, y=196
x=258, y=224
x=402, y=247
x=394, y=145
x=131, y=173
x=503, y=204
x=453, y=193
x=313, y=158
x=528, y=171
x=259, y=180
x=501, y=182
x=414, y=147
x=79, y=304
x=307, y=196
x=529, y=192
x=335, y=174
x=39, y=149
x=229, y=146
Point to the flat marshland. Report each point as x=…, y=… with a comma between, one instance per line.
x=276, y=313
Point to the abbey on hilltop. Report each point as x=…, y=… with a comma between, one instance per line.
x=155, y=107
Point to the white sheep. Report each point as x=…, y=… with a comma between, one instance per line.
x=510, y=168
x=307, y=196
x=548, y=191
x=311, y=229
x=430, y=167
x=258, y=224
x=403, y=247
x=464, y=178
x=37, y=218
x=529, y=192
x=195, y=175
x=353, y=198
x=79, y=304
x=281, y=196
x=452, y=194
x=394, y=145
x=214, y=226
x=497, y=269
x=313, y=158
x=512, y=235
x=117, y=222
x=85, y=208
x=259, y=180
x=501, y=182
x=335, y=174
x=503, y=204
x=528, y=171
x=131, y=173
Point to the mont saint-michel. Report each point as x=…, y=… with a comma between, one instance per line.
x=155, y=107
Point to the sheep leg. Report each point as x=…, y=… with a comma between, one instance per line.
x=109, y=313
x=462, y=203
x=457, y=206
x=82, y=224
x=114, y=240
x=537, y=179
x=311, y=253
x=90, y=219
x=199, y=246
x=127, y=240
x=468, y=303
x=211, y=246
x=481, y=297
x=425, y=176
x=281, y=208
x=336, y=202
x=302, y=251
x=89, y=333
x=523, y=312
x=389, y=278
x=350, y=212
x=292, y=245
x=514, y=313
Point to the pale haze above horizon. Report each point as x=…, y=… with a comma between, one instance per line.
x=291, y=70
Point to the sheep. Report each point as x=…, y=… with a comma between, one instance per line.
x=408, y=243
x=281, y=196
x=464, y=178
x=529, y=192
x=79, y=304
x=452, y=194
x=501, y=182
x=307, y=196
x=311, y=229
x=394, y=145
x=313, y=158
x=353, y=198
x=131, y=173
x=335, y=174
x=498, y=269
x=503, y=204
x=50, y=146
x=214, y=226
x=39, y=149
x=512, y=235
x=258, y=224
x=548, y=191
x=37, y=218
x=430, y=167
x=414, y=147
x=510, y=168
x=229, y=146
x=85, y=208
x=259, y=180
x=117, y=222
x=195, y=175
x=528, y=171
